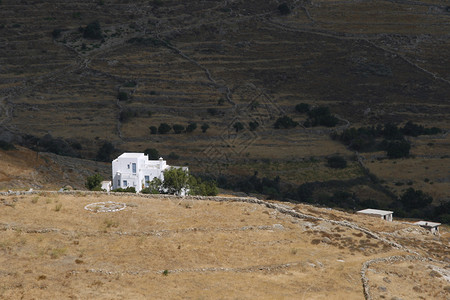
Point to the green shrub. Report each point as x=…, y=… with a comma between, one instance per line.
x=253, y=125
x=154, y=187
x=204, y=127
x=6, y=146
x=202, y=188
x=337, y=162
x=152, y=153
x=238, y=126
x=105, y=152
x=56, y=33
x=302, y=108
x=321, y=116
x=285, y=122
x=212, y=111
x=157, y=3
x=122, y=96
x=153, y=129
x=397, y=148
x=127, y=114
x=129, y=189
x=284, y=9
x=164, y=128
x=94, y=182
x=305, y=192
x=93, y=31
x=175, y=180
x=131, y=83
x=177, y=128
x=173, y=155
x=415, y=199
x=191, y=127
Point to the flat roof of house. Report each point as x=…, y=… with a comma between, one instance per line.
x=427, y=224
x=371, y=211
x=131, y=155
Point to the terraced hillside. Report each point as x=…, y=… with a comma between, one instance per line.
x=222, y=62
x=178, y=248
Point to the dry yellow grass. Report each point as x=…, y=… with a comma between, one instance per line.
x=210, y=250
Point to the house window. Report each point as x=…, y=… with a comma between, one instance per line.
x=147, y=179
x=118, y=183
x=125, y=183
x=134, y=168
x=128, y=166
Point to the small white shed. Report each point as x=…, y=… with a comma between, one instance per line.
x=383, y=214
x=106, y=185
x=433, y=227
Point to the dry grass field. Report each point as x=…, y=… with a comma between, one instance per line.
x=51, y=247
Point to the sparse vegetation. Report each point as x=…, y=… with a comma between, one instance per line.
x=58, y=206
x=109, y=223
x=57, y=252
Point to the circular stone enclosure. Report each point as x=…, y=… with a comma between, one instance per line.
x=108, y=206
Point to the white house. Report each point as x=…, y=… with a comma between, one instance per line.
x=383, y=214
x=431, y=226
x=136, y=170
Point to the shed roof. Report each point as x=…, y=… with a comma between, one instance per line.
x=371, y=211
x=427, y=224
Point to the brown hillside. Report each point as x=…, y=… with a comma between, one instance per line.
x=225, y=62
x=24, y=169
